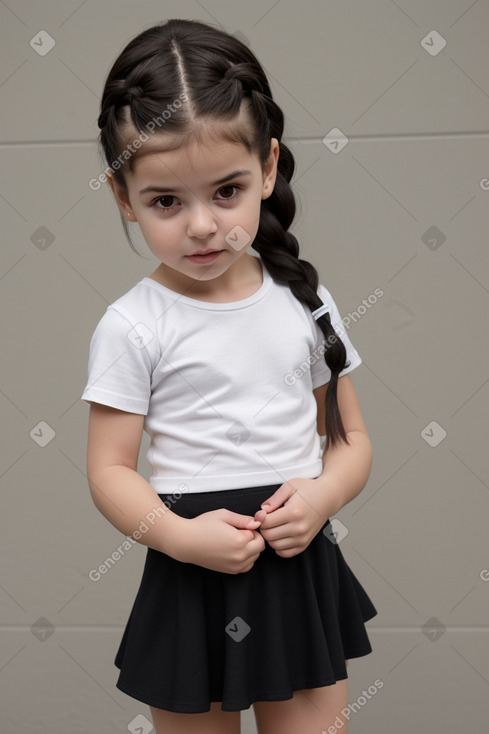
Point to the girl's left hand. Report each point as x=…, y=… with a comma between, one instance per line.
x=296, y=512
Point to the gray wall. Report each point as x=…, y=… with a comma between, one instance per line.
x=402, y=207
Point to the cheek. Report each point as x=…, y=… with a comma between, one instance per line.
x=250, y=213
x=155, y=225
x=254, y=217
x=160, y=235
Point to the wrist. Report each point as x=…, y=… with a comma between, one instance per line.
x=329, y=497
x=174, y=543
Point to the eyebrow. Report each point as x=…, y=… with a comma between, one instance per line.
x=162, y=189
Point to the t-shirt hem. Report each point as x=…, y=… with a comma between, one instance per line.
x=169, y=485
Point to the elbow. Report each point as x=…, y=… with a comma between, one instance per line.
x=96, y=493
x=361, y=440
x=369, y=454
x=99, y=484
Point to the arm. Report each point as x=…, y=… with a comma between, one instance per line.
x=345, y=468
x=220, y=540
x=122, y=495
x=297, y=510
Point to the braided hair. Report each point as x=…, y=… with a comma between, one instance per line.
x=187, y=77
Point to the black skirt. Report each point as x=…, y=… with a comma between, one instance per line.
x=196, y=635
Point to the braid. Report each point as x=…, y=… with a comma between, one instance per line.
x=279, y=248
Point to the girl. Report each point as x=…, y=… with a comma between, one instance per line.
x=236, y=365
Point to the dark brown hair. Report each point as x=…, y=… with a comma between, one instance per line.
x=196, y=81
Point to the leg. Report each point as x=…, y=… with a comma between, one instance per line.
x=309, y=711
x=214, y=721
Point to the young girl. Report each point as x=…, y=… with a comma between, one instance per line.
x=236, y=365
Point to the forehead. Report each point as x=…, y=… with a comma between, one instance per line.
x=199, y=158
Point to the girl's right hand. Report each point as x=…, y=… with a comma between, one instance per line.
x=222, y=540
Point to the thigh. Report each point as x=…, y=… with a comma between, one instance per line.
x=214, y=721
x=309, y=711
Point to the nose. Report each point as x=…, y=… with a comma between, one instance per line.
x=202, y=221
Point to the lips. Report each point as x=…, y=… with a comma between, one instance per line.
x=205, y=256
x=204, y=252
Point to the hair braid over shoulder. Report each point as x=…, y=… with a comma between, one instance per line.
x=279, y=250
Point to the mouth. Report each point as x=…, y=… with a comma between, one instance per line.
x=205, y=252
x=205, y=256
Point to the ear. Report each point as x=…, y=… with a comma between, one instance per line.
x=122, y=197
x=270, y=170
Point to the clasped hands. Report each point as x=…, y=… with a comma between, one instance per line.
x=292, y=516
x=230, y=542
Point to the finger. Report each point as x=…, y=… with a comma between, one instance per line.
x=260, y=515
x=289, y=553
x=249, y=534
x=257, y=549
x=284, y=544
x=274, y=536
x=241, y=521
x=276, y=519
x=278, y=498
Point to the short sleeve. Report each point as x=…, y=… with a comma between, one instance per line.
x=120, y=363
x=320, y=372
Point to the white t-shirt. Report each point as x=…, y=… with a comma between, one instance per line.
x=226, y=388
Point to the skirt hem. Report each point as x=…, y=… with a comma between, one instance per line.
x=227, y=705
x=231, y=705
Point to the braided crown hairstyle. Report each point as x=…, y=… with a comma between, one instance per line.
x=196, y=80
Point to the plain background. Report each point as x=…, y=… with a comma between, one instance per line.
x=403, y=207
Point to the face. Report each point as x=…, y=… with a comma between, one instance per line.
x=197, y=215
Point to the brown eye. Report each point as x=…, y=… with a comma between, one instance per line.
x=229, y=188
x=166, y=201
